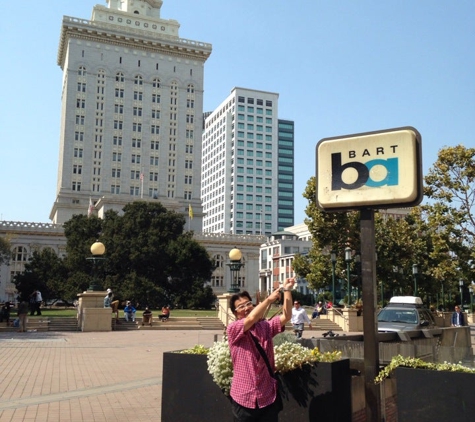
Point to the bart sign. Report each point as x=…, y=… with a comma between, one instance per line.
x=380, y=169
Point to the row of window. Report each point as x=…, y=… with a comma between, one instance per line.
x=258, y=101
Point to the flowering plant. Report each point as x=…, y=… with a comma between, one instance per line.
x=419, y=363
x=220, y=365
x=288, y=356
x=199, y=349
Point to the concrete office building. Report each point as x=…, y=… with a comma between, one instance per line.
x=247, y=175
x=131, y=118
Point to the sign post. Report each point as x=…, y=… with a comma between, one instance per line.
x=368, y=171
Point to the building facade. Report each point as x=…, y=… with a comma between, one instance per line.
x=132, y=112
x=276, y=257
x=247, y=178
x=26, y=238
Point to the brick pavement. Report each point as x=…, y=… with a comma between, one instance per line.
x=90, y=377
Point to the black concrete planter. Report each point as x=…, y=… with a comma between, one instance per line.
x=189, y=393
x=428, y=395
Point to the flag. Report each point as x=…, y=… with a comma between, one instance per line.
x=190, y=211
x=91, y=207
x=141, y=177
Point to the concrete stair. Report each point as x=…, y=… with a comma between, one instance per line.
x=174, y=323
x=63, y=324
x=319, y=324
x=33, y=324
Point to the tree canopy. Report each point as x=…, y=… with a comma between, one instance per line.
x=438, y=237
x=149, y=259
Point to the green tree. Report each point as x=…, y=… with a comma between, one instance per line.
x=450, y=186
x=149, y=259
x=398, y=244
x=45, y=272
x=5, y=253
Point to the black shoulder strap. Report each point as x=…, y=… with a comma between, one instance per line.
x=263, y=354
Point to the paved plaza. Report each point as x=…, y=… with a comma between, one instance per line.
x=90, y=377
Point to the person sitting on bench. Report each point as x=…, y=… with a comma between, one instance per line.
x=129, y=312
x=147, y=316
x=165, y=314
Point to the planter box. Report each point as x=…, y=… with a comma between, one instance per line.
x=428, y=395
x=189, y=392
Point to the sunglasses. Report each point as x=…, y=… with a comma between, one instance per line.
x=244, y=306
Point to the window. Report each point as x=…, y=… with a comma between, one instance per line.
x=135, y=159
x=155, y=114
x=119, y=93
x=138, y=80
x=118, y=124
x=119, y=77
x=79, y=120
x=119, y=108
x=78, y=152
x=155, y=129
x=80, y=103
x=138, y=96
x=156, y=98
x=154, y=145
x=156, y=83
x=137, y=111
x=115, y=172
x=136, y=143
x=137, y=127
x=117, y=140
x=115, y=189
x=116, y=156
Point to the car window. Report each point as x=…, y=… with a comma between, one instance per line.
x=406, y=316
x=426, y=316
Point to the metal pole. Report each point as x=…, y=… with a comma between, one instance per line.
x=348, y=277
x=333, y=282
x=370, y=324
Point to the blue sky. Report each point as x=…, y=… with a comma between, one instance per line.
x=340, y=67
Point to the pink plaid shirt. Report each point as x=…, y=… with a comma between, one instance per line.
x=252, y=384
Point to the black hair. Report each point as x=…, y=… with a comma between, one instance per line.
x=238, y=296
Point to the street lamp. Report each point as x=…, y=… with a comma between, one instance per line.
x=348, y=259
x=235, y=265
x=461, y=293
x=97, y=249
x=358, y=274
x=333, y=259
x=415, y=273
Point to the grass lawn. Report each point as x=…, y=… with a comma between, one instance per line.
x=71, y=312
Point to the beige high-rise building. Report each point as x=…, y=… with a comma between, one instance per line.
x=132, y=112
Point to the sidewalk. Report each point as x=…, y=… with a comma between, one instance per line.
x=91, y=377
x=112, y=376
